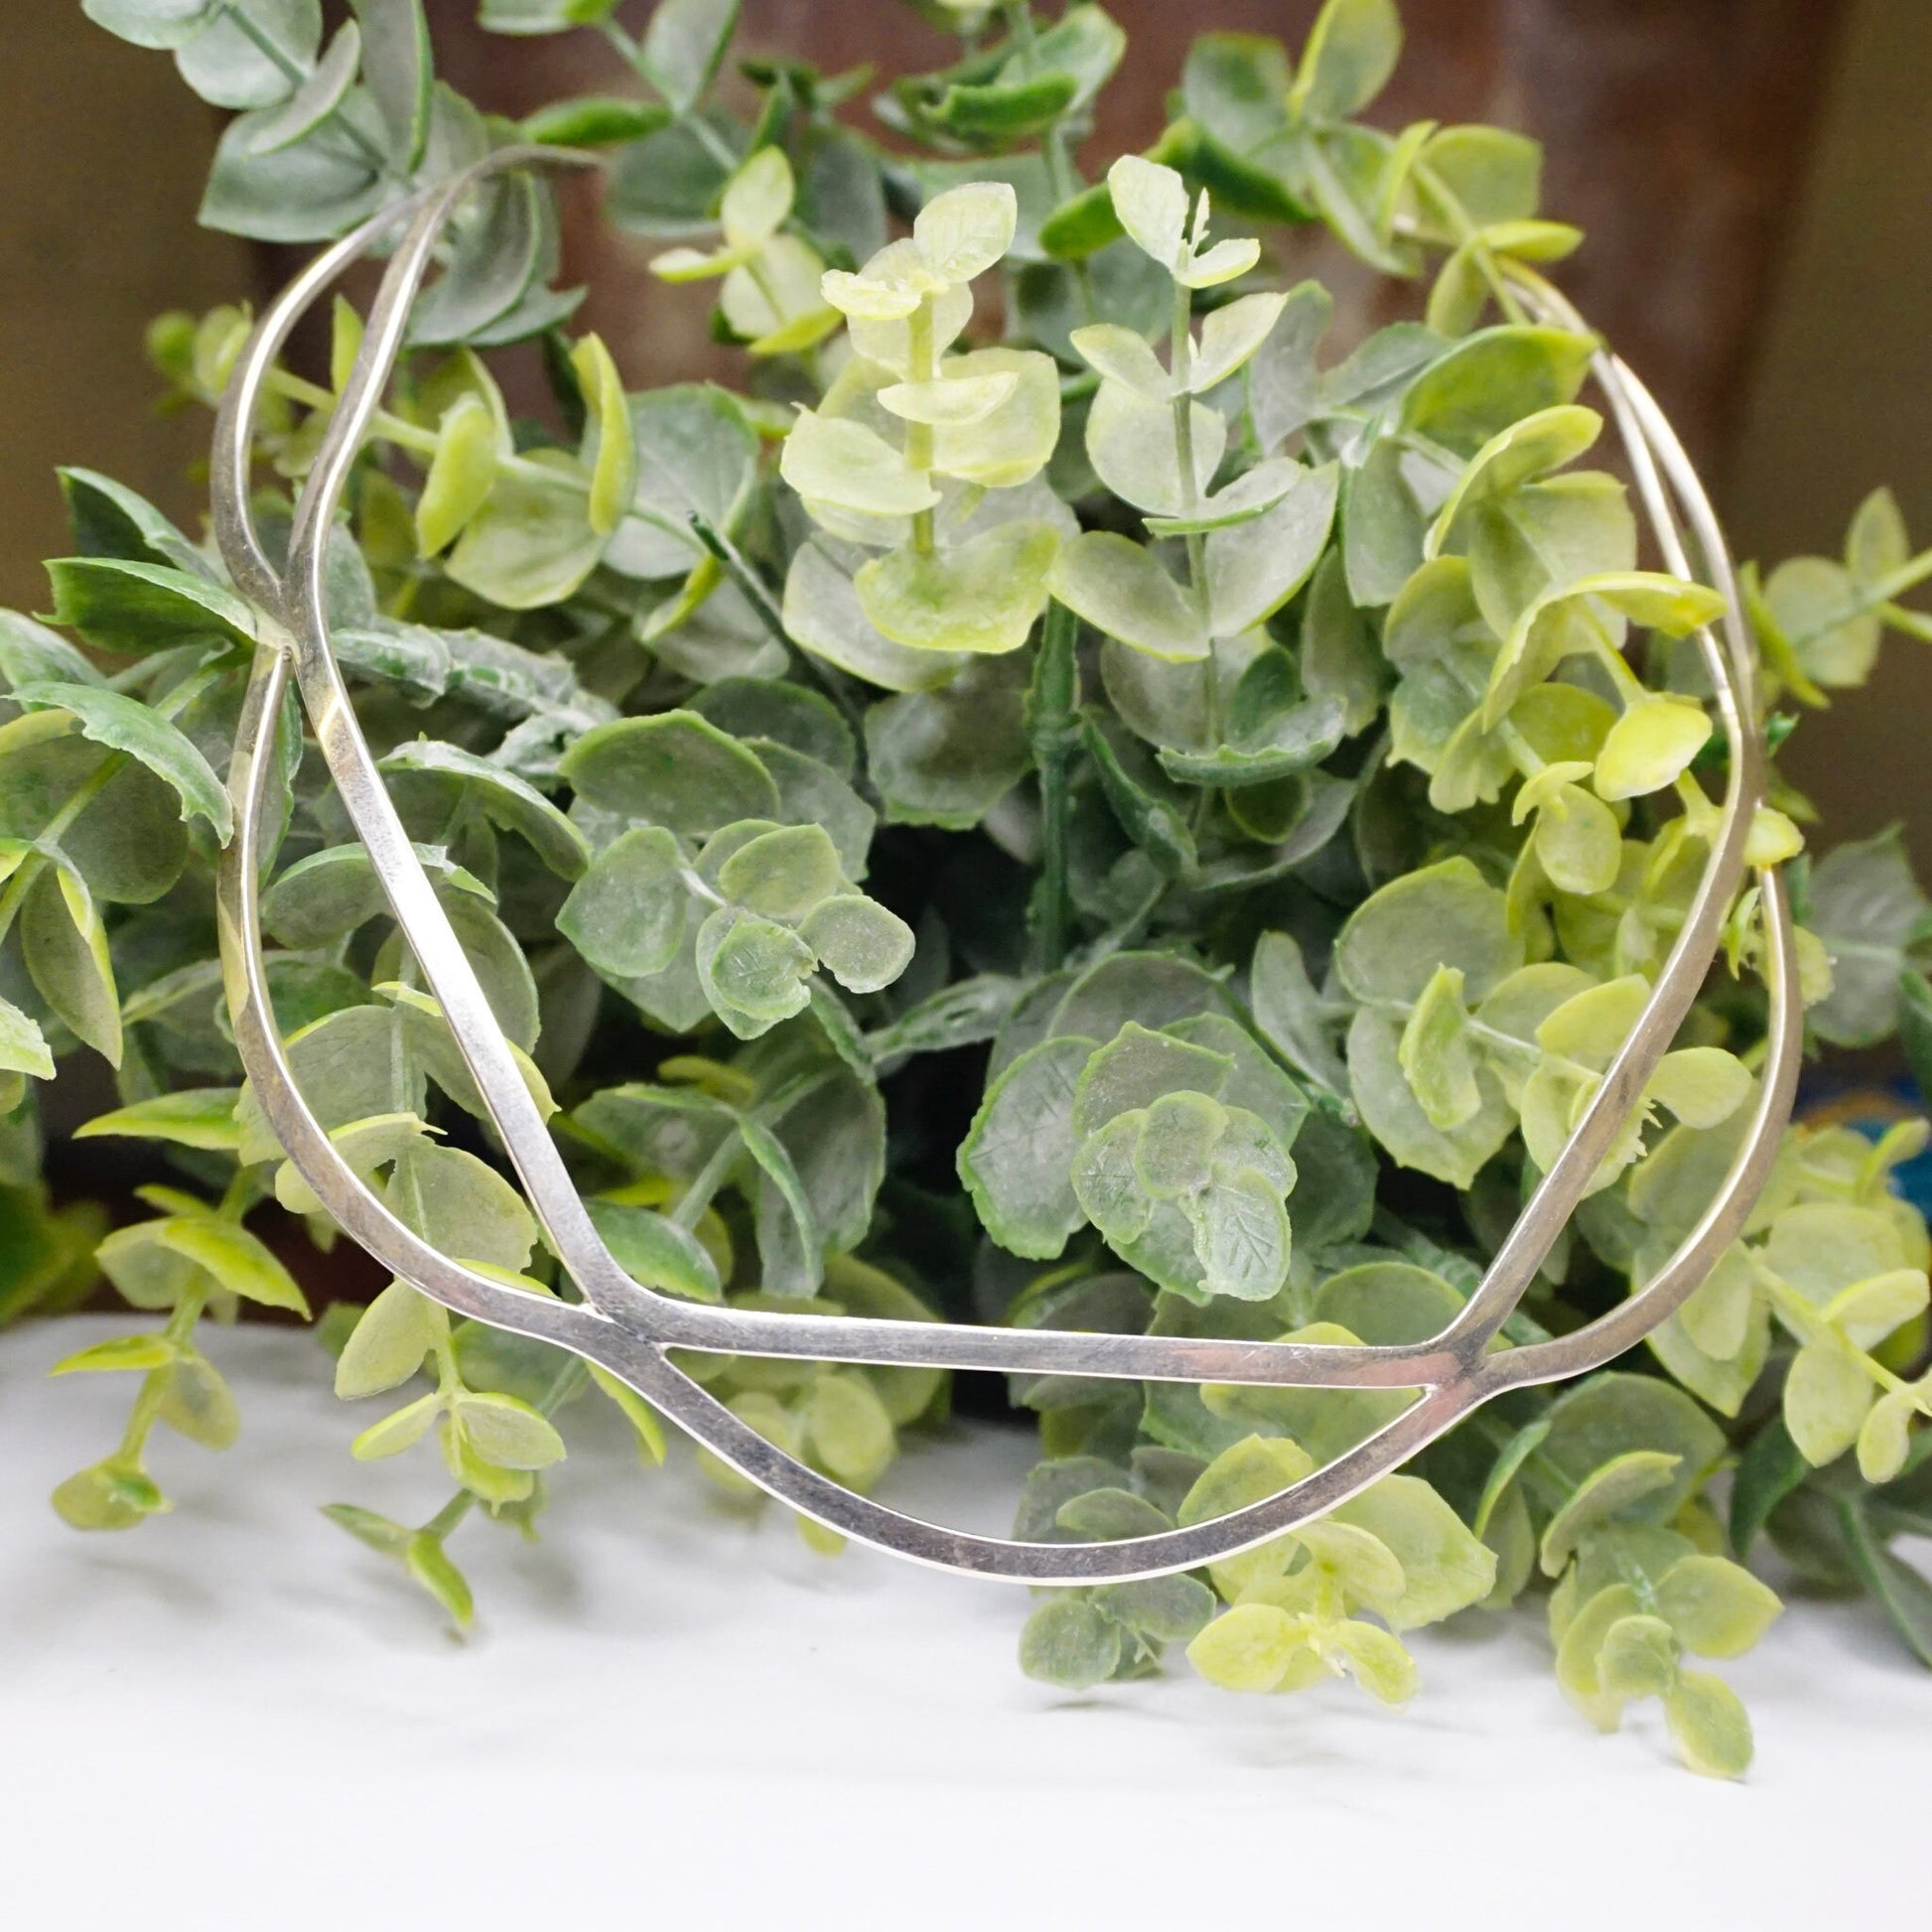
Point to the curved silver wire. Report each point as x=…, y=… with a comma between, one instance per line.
x=628, y=1327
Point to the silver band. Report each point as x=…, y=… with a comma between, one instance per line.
x=626, y=1328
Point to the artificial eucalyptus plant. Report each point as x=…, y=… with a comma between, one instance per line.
x=1061, y=799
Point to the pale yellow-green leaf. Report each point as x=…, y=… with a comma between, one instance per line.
x=758, y=199
x=1717, y=1607
x=1131, y=445
x=1610, y=1491
x=1249, y=1647
x=1122, y=357
x=842, y=463
x=961, y=233
x=951, y=401
x=460, y=473
x=1230, y=335
x=979, y=596
x=1711, y=1727
x=609, y=444
x=1152, y=203
x=1121, y=589
x=1011, y=442
x=1654, y=741
x=1827, y=1397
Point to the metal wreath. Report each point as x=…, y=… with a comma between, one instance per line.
x=628, y=1329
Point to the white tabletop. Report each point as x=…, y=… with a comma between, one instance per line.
x=235, y=1716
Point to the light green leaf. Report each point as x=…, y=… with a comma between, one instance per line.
x=507, y=1432
x=1715, y=1608
x=1827, y=1397
x=1118, y=586
x=1253, y=570
x=861, y=945
x=1710, y=1726
x=753, y=970
x=1153, y=206
x=1123, y=356
x=674, y=770
x=1018, y=1157
x=533, y=542
x=823, y=615
x=1446, y=915
x=1649, y=746
x=1610, y=1491
x=840, y=463
x=981, y=596
x=65, y=944
x=139, y=1352
x=1351, y=50
x=1070, y=1642
x=388, y=1343
x=1250, y=1647
x=964, y=231
x=199, y=1117
x=1131, y=445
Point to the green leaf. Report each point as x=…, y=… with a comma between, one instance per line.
x=23, y=1047
x=753, y=970
x=65, y=944
x=507, y=1432
x=469, y=448
x=110, y=1495
x=1492, y=380
x=427, y=776
x=197, y=1404
x=1254, y=569
x=627, y=914
x=1827, y=1397
x=1131, y=445
x=1715, y=1608
x=861, y=945
x=239, y=1262
x=1771, y=1468
x=1351, y=50
x=595, y=121
x=1865, y=906
x=1018, y=1157
x=782, y=873
x=1118, y=588
x=1070, y=1642
x=1709, y=1724
x=122, y=723
x=1446, y=915
x=1250, y=1647
x=673, y=770
x=140, y=1352
x=199, y=1117
x=388, y=1343
x=656, y=1251
x=823, y=615
x=132, y=608
x=533, y=542
x=683, y=46
x=1899, y=1590
x=982, y=595
x=651, y=1447
x=839, y=463
x=1612, y=1491
x=947, y=756
x=425, y=1559
x=1290, y=1012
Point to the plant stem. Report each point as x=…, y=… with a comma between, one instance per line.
x=1182, y=361
x=919, y=436
x=1052, y=725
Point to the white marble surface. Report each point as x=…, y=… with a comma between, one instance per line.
x=233, y=1717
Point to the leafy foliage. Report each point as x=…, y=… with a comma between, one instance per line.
x=1131, y=822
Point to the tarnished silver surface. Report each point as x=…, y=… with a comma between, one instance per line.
x=628, y=1327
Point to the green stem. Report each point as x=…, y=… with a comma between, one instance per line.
x=1052, y=723
x=919, y=436
x=154, y=1385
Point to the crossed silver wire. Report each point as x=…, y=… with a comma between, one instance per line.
x=626, y=1328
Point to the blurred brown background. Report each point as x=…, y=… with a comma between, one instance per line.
x=1754, y=176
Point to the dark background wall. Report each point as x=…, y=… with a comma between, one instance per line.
x=1753, y=175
